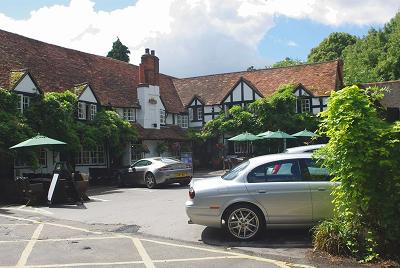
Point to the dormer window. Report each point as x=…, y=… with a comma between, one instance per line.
x=190, y=114
x=81, y=110
x=305, y=105
x=93, y=111
x=199, y=113
x=23, y=103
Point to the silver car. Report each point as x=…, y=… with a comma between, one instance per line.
x=154, y=171
x=266, y=191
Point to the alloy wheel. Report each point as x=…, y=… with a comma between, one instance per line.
x=150, y=180
x=243, y=223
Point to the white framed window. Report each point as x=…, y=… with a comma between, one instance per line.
x=182, y=121
x=23, y=103
x=200, y=113
x=129, y=114
x=190, y=110
x=162, y=117
x=90, y=157
x=305, y=105
x=93, y=111
x=81, y=110
x=19, y=104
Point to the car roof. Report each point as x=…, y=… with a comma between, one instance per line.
x=300, y=149
x=277, y=157
x=158, y=158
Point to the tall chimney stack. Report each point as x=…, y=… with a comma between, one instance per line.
x=149, y=68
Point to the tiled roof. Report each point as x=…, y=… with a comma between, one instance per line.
x=172, y=132
x=391, y=98
x=318, y=78
x=56, y=68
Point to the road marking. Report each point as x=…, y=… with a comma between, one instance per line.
x=276, y=262
x=143, y=253
x=62, y=239
x=81, y=264
x=199, y=259
x=73, y=228
x=14, y=224
x=28, y=249
x=124, y=262
x=98, y=199
x=24, y=208
x=18, y=218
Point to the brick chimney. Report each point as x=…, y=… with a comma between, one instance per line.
x=148, y=69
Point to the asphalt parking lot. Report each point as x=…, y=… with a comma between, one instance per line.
x=39, y=241
x=129, y=227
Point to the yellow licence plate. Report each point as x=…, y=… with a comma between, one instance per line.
x=181, y=174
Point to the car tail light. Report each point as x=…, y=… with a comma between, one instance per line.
x=166, y=168
x=192, y=193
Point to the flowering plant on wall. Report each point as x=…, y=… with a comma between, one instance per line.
x=152, y=101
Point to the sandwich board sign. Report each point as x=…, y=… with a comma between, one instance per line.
x=53, y=184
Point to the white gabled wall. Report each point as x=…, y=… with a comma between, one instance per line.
x=236, y=94
x=149, y=113
x=26, y=85
x=88, y=95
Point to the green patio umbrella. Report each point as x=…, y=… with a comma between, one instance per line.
x=279, y=135
x=263, y=134
x=305, y=133
x=246, y=136
x=38, y=140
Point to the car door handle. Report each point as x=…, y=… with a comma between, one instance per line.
x=262, y=191
x=321, y=189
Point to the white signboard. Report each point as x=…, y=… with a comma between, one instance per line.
x=52, y=187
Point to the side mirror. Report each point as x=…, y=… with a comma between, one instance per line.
x=131, y=169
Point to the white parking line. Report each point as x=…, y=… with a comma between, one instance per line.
x=28, y=249
x=99, y=199
x=31, y=210
x=143, y=253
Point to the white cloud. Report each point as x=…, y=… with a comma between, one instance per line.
x=191, y=37
x=292, y=44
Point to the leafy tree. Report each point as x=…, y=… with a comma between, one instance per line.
x=375, y=57
x=276, y=112
x=114, y=131
x=287, y=62
x=364, y=155
x=119, y=51
x=13, y=126
x=54, y=115
x=332, y=47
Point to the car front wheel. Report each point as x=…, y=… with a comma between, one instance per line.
x=243, y=222
x=150, y=180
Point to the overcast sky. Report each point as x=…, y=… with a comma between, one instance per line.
x=195, y=37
